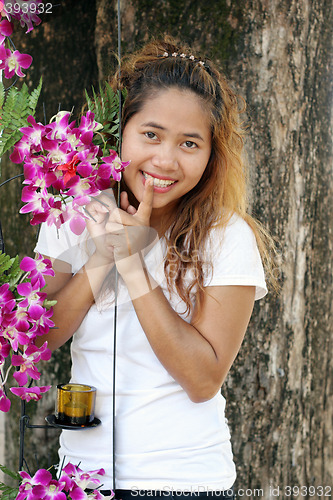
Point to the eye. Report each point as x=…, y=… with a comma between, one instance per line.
x=151, y=135
x=190, y=144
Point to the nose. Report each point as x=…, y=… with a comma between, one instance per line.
x=165, y=157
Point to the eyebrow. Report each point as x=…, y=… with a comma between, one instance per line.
x=194, y=135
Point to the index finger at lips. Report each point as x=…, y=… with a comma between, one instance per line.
x=146, y=205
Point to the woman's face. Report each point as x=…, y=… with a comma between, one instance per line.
x=169, y=139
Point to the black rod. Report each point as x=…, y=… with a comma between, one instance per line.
x=116, y=276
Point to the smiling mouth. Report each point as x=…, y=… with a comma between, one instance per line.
x=158, y=182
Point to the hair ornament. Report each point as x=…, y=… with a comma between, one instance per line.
x=183, y=56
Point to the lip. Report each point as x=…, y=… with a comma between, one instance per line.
x=156, y=176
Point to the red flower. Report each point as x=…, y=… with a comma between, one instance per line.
x=69, y=168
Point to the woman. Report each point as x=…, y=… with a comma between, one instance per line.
x=187, y=255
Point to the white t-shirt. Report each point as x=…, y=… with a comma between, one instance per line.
x=163, y=439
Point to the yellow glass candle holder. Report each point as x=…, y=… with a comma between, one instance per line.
x=75, y=404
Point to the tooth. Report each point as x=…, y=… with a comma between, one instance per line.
x=158, y=182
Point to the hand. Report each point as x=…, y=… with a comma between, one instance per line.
x=98, y=210
x=129, y=228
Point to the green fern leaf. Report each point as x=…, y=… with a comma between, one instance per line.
x=8, y=472
x=8, y=493
x=34, y=97
x=98, y=108
x=89, y=101
x=10, y=271
x=2, y=94
x=6, y=263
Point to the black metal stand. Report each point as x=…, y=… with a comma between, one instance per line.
x=24, y=424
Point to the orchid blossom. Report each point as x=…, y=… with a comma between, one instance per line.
x=6, y=29
x=63, y=156
x=71, y=484
x=24, y=315
x=30, y=393
x=12, y=62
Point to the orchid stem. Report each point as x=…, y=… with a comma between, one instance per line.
x=6, y=377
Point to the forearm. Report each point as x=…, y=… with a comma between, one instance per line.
x=184, y=352
x=74, y=301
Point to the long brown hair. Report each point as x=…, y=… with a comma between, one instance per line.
x=222, y=190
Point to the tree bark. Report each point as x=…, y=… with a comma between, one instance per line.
x=278, y=56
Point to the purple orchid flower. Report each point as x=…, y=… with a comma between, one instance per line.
x=59, y=128
x=36, y=203
x=20, y=318
x=4, y=401
x=31, y=140
x=57, y=215
x=59, y=153
x=4, y=349
x=115, y=164
x=88, y=123
x=40, y=487
x=27, y=361
x=7, y=299
x=12, y=62
x=37, y=269
x=6, y=29
x=28, y=393
x=33, y=298
x=15, y=336
x=77, y=219
x=76, y=480
x=44, y=323
x=82, y=189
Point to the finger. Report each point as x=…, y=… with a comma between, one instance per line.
x=144, y=210
x=96, y=212
x=114, y=227
x=125, y=204
x=106, y=199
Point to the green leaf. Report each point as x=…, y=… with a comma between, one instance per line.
x=16, y=107
x=2, y=94
x=10, y=271
x=49, y=303
x=8, y=472
x=8, y=493
x=35, y=96
x=6, y=263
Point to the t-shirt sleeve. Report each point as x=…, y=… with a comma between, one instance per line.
x=235, y=257
x=62, y=244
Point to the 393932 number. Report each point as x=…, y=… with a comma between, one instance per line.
x=308, y=491
x=28, y=8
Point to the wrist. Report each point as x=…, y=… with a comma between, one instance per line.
x=98, y=260
x=136, y=275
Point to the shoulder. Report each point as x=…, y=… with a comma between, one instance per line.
x=233, y=255
x=235, y=232
x=62, y=244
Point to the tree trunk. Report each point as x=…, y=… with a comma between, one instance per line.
x=278, y=55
